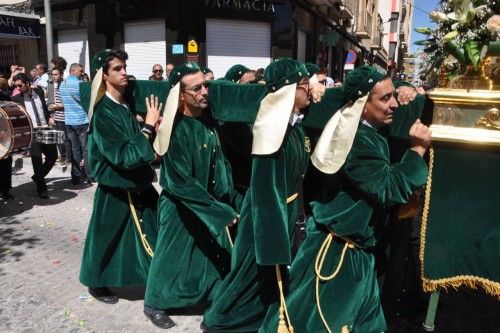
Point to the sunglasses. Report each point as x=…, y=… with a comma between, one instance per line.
x=197, y=89
x=323, y=82
x=19, y=85
x=158, y=71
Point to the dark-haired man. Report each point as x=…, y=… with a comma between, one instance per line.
x=192, y=252
x=122, y=230
x=33, y=99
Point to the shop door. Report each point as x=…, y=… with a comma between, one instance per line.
x=232, y=42
x=146, y=46
x=73, y=46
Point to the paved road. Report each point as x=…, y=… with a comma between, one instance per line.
x=41, y=243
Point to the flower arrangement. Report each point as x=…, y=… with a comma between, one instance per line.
x=464, y=29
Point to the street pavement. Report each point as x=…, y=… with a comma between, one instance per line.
x=41, y=244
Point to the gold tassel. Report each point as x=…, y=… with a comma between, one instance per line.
x=282, y=328
x=283, y=313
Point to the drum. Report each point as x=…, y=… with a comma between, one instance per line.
x=49, y=136
x=15, y=128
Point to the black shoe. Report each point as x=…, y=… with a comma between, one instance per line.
x=159, y=318
x=207, y=329
x=43, y=194
x=103, y=295
x=6, y=196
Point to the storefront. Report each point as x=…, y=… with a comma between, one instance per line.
x=19, y=37
x=225, y=32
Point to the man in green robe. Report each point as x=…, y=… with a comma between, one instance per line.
x=122, y=229
x=192, y=253
x=333, y=283
x=263, y=245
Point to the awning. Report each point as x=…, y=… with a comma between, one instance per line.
x=17, y=25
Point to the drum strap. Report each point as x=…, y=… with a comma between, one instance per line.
x=35, y=110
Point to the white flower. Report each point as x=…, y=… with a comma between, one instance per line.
x=438, y=16
x=493, y=24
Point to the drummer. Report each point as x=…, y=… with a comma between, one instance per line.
x=6, y=161
x=33, y=100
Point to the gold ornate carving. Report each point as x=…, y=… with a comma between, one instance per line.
x=490, y=120
x=465, y=135
x=447, y=115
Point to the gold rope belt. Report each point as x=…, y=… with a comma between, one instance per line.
x=292, y=198
x=284, y=317
x=142, y=236
x=318, y=266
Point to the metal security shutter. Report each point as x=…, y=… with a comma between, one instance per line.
x=145, y=45
x=301, y=46
x=232, y=42
x=73, y=46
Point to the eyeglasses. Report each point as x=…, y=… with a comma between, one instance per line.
x=197, y=89
x=323, y=82
x=19, y=85
x=158, y=71
x=305, y=83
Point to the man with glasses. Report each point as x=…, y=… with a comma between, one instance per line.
x=34, y=101
x=157, y=73
x=192, y=252
x=269, y=211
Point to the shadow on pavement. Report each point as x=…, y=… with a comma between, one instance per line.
x=60, y=189
x=14, y=239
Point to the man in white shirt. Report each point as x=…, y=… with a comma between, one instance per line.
x=34, y=102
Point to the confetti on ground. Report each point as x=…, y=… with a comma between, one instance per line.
x=80, y=322
x=7, y=251
x=85, y=297
x=57, y=262
x=73, y=238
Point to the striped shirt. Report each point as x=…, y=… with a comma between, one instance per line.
x=70, y=95
x=58, y=114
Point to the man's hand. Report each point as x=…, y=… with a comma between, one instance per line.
x=153, y=110
x=51, y=121
x=234, y=221
x=406, y=94
x=317, y=90
x=420, y=136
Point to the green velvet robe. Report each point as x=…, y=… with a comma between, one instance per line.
x=119, y=157
x=264, y=238
x=366, y=185
x=193, y=250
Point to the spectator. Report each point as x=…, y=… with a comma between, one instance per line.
x=157, y=73
x=58, y=62
x=323, y=78
x=33, y=75
x=77, y=123
x=14, y=70
x=58, y=109
x=168, y=70
x=33, y=100
x=43, y=76
x=85, y=77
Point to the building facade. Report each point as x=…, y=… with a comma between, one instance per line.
x=220, y=33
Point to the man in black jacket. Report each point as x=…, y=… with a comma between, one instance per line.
x=34, y=102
